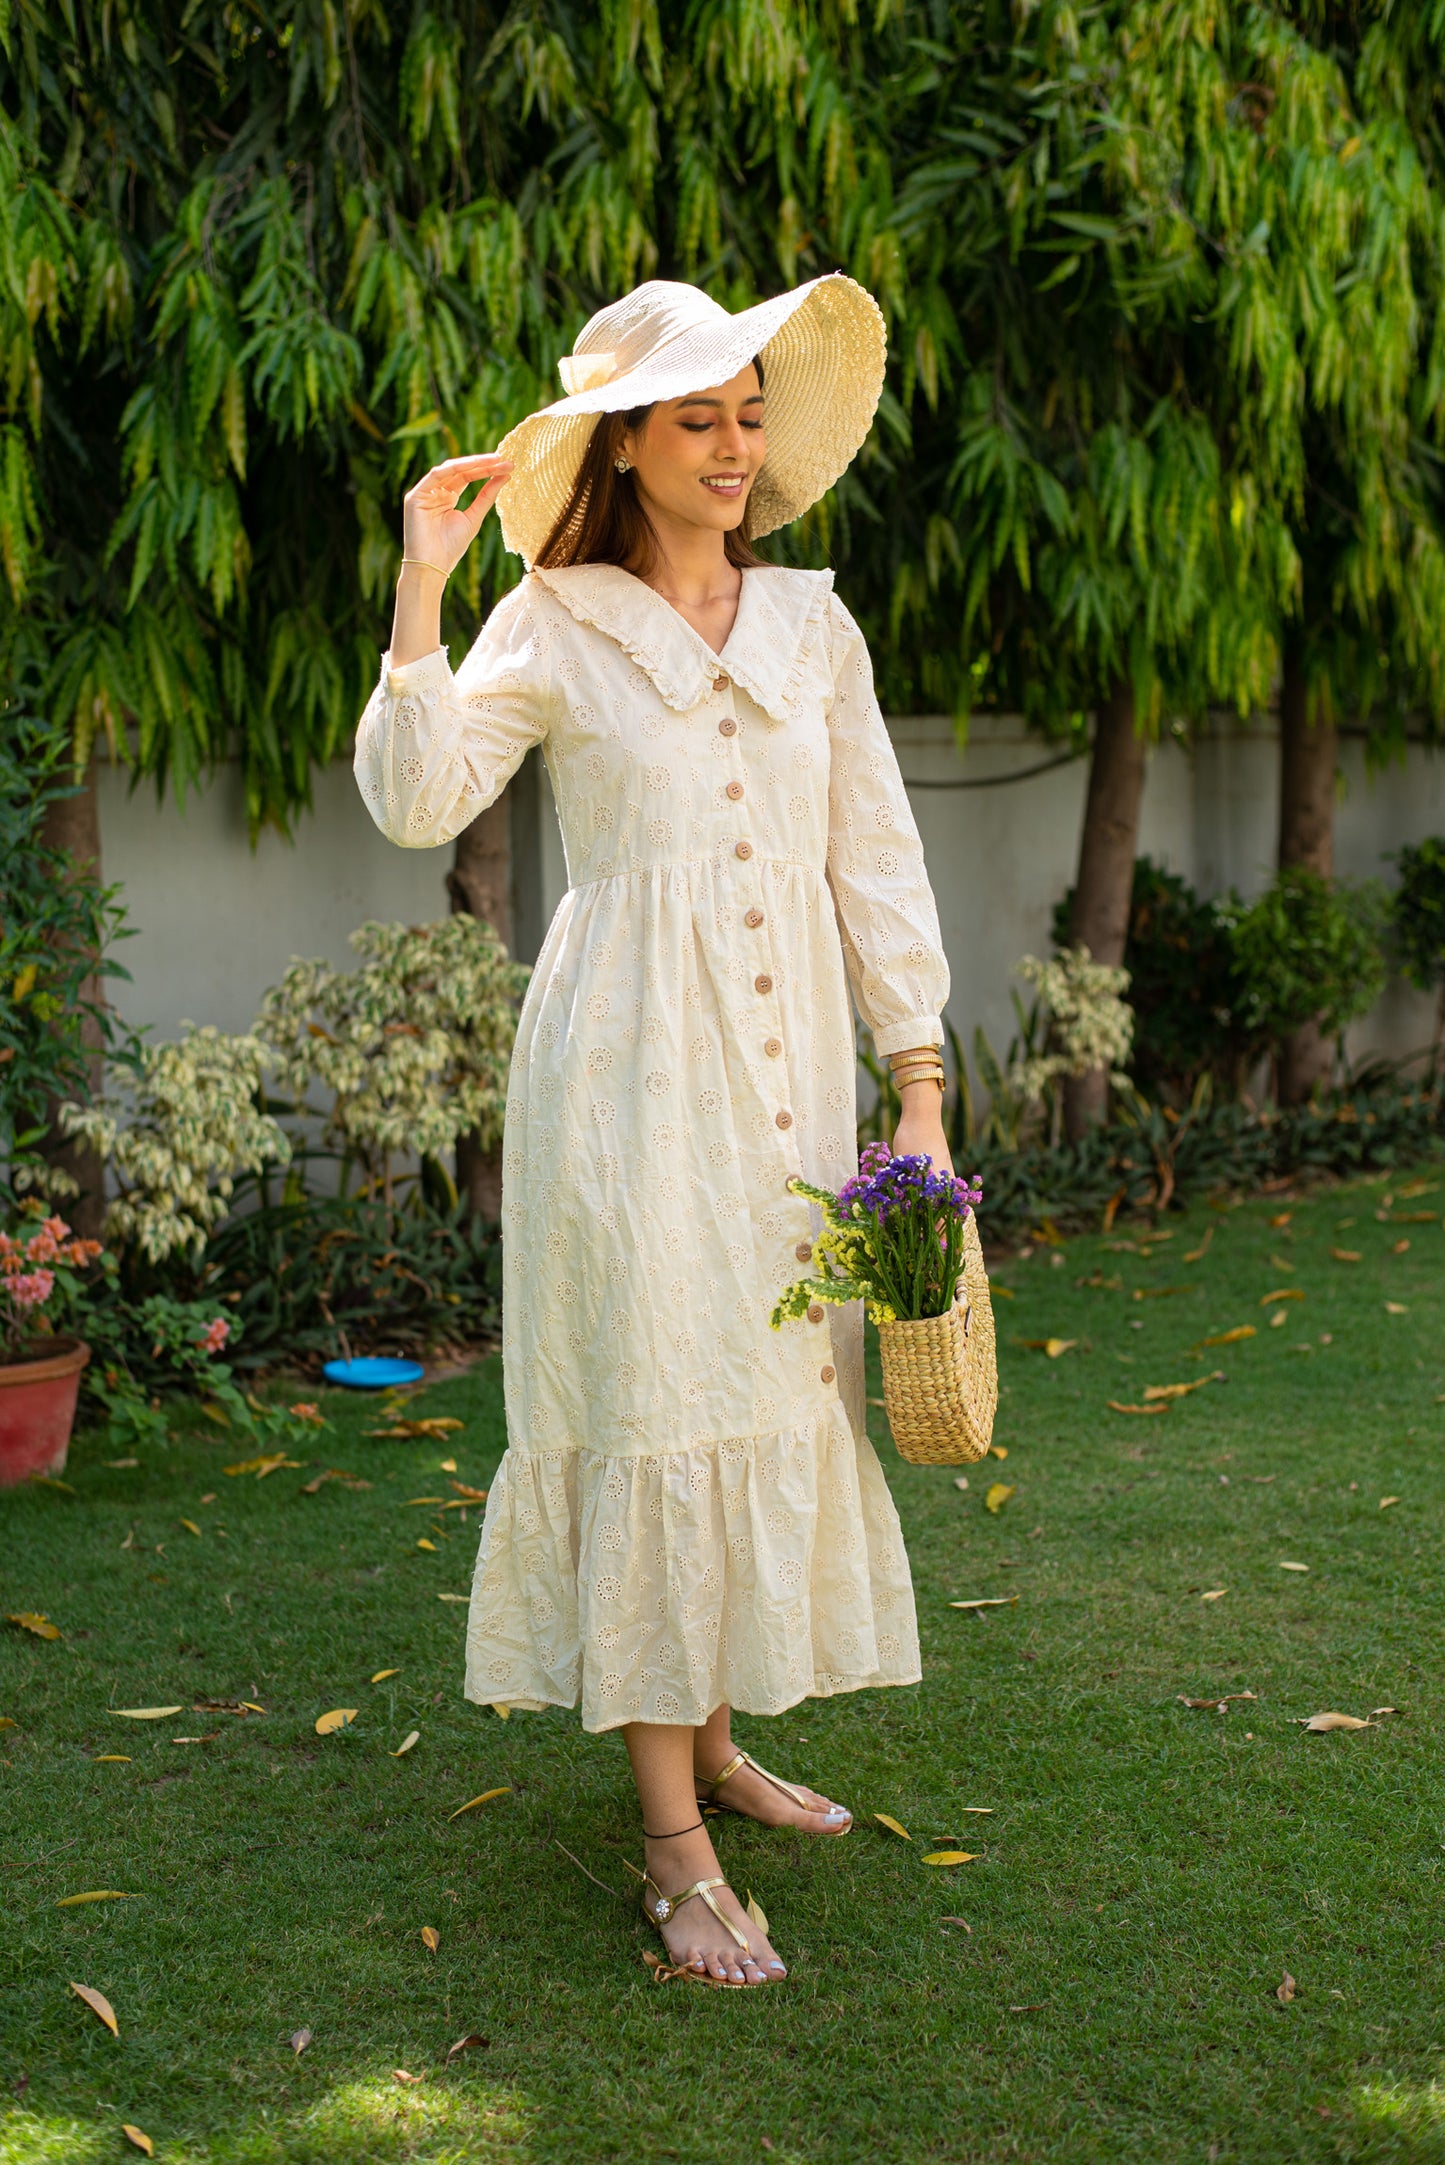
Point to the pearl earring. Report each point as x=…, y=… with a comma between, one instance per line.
x=624, y=466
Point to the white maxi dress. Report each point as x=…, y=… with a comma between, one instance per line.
x=689, y=1510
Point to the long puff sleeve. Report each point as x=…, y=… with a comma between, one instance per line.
x=889, y=921
x=433, y=750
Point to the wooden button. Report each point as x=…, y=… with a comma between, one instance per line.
x=763, y=983
x=727, y=727
x=815, y=1313
x=735, y=790
x=826, y=1375
x=804, y=1251
x=753, y=919
x=773, y=1047
x=743, y=850
x=719, y=684
x=784, y=1120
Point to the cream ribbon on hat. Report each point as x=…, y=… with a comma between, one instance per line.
x=586, y=371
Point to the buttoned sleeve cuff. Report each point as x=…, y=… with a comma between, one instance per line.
x=429, y=673
x=907, y=1036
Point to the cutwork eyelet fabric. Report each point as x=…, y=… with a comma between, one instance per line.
x=687, y=1511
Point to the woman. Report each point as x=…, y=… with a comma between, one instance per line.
x=689, y=1515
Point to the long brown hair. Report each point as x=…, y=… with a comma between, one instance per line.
x=603, y=522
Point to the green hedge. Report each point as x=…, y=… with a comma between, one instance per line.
x=1151, y=1157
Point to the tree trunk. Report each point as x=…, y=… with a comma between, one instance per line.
x=73, y=824
x=1306, y=837
x=480, y=885
x=1099, y=919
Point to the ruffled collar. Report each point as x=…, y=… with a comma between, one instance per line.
x=779, y=612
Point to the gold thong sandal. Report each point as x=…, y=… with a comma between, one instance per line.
x=787, y=1789
x=667, y=1905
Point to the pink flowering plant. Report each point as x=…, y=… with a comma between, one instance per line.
x=40, y=1281
x=892, y=1237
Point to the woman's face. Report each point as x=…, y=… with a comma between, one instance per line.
x=695, y=457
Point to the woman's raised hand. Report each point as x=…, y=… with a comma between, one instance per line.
x=435, y=530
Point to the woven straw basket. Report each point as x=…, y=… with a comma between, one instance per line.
x=940, y=1376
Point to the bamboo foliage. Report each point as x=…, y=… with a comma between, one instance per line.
x=1162, y=284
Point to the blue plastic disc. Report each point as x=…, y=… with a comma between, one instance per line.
x=376, y=1374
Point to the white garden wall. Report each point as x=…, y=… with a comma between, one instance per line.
x=216, y=922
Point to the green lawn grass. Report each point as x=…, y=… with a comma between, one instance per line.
x=1148, y=1874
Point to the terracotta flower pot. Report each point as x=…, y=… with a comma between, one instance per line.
x=37, y=1409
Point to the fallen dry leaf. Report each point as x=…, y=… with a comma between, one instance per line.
x=502, y=1711
x=1401, y=1247
x=1159, y=1405
x=332, y=1473
x=968, y=1928
x=340, y=1717
x=756, y=1912
x=960, y=1480
x=1180, y=1390
x=382, y=1674
x=1346, y=1255
x=146, y=1713
x=191, y=1527
x=1195, y=1255
x=1396, y=1308
x=98, y=1894
x=951, y=1856
x=1216, y=1593
x=48, y=1480
x=298, y=2041
x=454, y=1597
x=997, y=1450
x=1285, y=1990
x=1285, y=1293
x=468, y=1493
x=1231, y=1338
x=1278, y=1320
x=997, y=1496
x=1218, y=1705
x=1320, y=1723
x=1294, y=1567
x=1282, y=1217
x=469, y=2043
x=138, y=2136
x=268, y=1462
x=995, y=1601
x=430, y=1937
x=886, y=1819
x=425, y=1544
x=1378, y=1710
x=98, y=2005
x=8, y=1721
x=31, y=1620
x=112, y=1759
x=1055, y=1346
x=485, y=1798
x=1386, y=1501
x=1159, y=1292
x=435, y=1426
x=412, y=1501
x=447, y=1465
x=406, y=1744
x=399, y=2074
x=119, y=1465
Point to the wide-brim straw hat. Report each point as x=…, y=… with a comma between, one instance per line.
x=823, y=348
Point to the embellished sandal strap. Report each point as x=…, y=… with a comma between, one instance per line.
x=744, y=1759
x=667, y=1905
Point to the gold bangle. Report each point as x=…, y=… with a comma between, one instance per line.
x=916, y=1052
x=424, y=565
x=905, y=1076
x=916, y=1059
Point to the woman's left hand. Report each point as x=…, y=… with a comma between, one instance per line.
x=920, y=1127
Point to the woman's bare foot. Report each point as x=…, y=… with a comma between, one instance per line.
x=692, y=1934
x=750, y=1792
